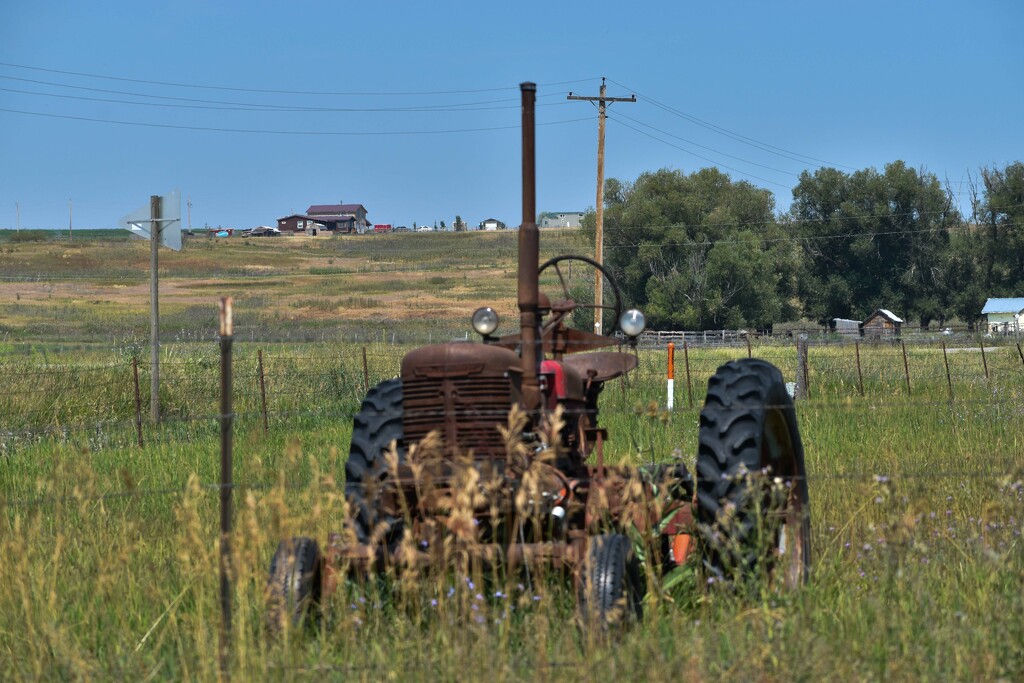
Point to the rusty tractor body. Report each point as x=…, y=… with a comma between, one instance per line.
x=497, y=446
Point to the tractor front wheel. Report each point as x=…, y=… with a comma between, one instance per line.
x=294, y=588
x=612, y=589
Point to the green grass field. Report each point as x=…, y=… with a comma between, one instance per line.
x=111, y=550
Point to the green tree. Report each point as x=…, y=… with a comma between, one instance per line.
x=1000, y=213
x=459, y=225
x=873, y=240
x=697, y=251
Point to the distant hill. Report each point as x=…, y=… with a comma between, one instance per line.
x=97, y=235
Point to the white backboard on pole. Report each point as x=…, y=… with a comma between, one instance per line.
x=139, y=221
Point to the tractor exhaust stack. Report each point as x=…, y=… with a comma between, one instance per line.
x=529, y=259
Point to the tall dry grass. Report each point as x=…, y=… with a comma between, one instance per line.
x=917, y=503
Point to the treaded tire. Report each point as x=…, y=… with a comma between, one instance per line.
x=612, y=590
x=752, y=526
x=376, y=425
x=294, y=588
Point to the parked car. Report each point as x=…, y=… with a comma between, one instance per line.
x=262, y=232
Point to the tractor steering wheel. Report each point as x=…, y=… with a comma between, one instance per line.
x=563, y=308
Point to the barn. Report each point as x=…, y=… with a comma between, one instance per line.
x=881, y=323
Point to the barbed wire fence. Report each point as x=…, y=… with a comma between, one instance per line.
x=278, y=386
x=285, y=389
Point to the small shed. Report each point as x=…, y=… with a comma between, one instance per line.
x=881, y=323
x=846, y=327
x=1004, y=315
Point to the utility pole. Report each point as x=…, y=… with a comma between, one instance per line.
x=602, y=106
x=17, y=210
x=155, y=224
x=70, y=237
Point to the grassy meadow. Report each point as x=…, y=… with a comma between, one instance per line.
x=111, y=549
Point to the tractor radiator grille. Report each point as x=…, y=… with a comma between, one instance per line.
x=466, y=411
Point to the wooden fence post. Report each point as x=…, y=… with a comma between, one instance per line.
x=1020, y=353
x=984, y=360
x=750, y=352
x=226, y=485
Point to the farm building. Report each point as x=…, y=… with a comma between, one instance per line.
x=846, y=327
x=1004, y=316
x=491, y=224
x=300, y=223
x=881, y=323
x=561, y=219
x=340, y=218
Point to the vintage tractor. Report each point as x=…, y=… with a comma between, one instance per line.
x=495, y=448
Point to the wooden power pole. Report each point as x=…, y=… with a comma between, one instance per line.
x=155, y=223
x=602, y=105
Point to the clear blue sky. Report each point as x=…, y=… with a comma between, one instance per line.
x=854, y=85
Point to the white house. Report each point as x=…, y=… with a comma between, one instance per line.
x=561, y=219
x=1004, y=315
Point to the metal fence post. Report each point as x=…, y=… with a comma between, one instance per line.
x=949, y=380
x=366, y=374
x=801, y=369
x=860, y=374
x=138, y=401
x=984, y=360
x=263, y=391
x=689, y=383
x=906, y=366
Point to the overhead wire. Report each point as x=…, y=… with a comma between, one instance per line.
x=260, y=131
x=763, y=146
x=356, y=93
x=198, y=103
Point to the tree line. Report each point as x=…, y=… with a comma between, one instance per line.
x=701, y=251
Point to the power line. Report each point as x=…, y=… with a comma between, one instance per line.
x=278, y=132
x=413, y=93
x=763, y=146
x=699, y=156
x=249, y=106
x=710, y=149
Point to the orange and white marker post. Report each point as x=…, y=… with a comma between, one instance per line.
x=671, y=374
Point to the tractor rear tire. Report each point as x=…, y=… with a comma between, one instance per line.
x=755, y=525
x=375, y=427
x=295, y=585
x=612, y=590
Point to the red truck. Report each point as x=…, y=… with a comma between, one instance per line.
x=384, y=227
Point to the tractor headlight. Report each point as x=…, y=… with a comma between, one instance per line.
x=485, y=320
x=632, y=322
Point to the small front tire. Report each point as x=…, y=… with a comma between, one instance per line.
x=612, y=590
x=295, y=586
